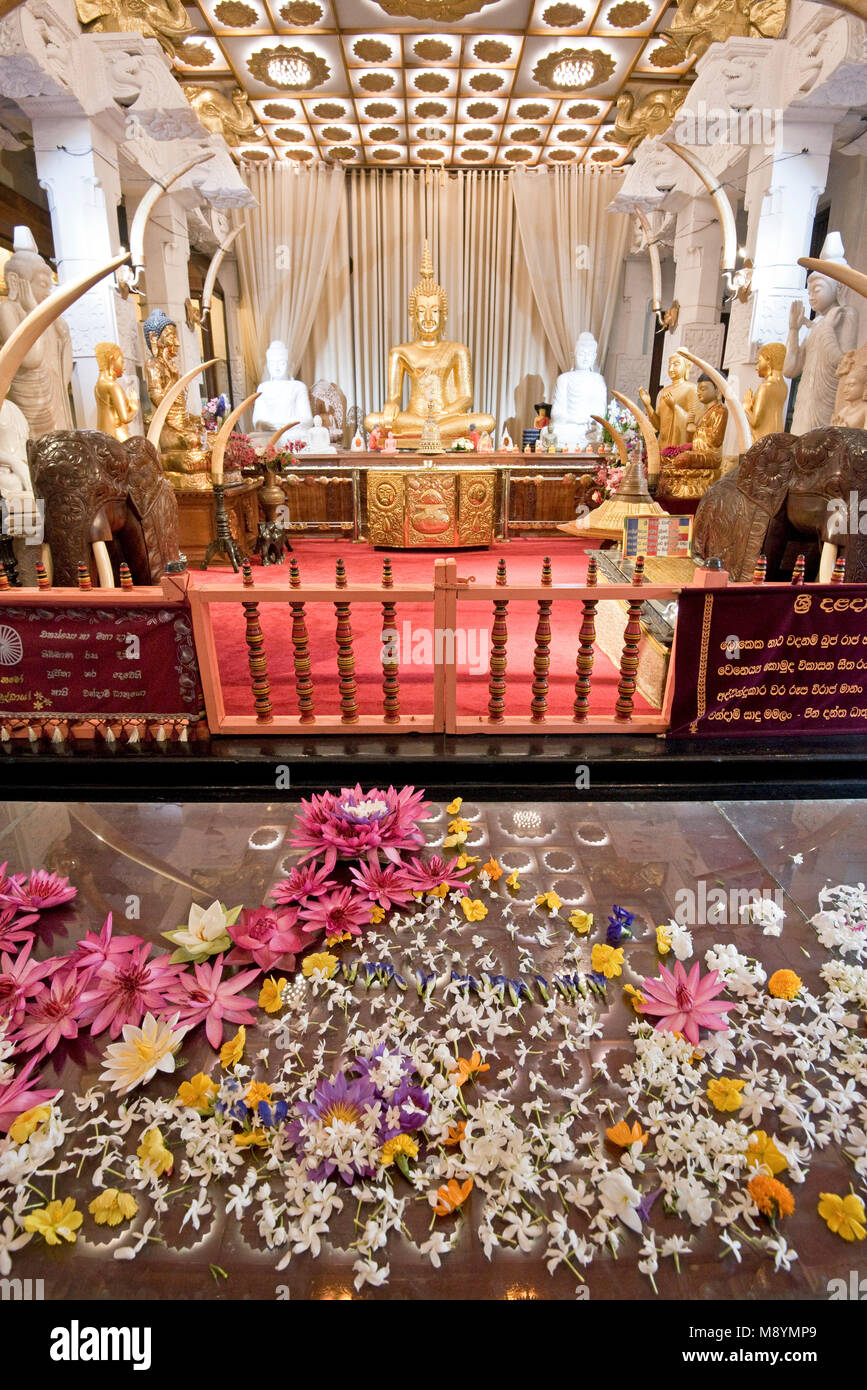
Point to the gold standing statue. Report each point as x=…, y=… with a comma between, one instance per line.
x=115, y=407
x=186, y=462
x=440, y=374
x=676, y=405
x=764, y=410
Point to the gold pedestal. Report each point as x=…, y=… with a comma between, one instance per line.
x=410, y=509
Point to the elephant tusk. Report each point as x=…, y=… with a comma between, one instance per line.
x=655, y=266
x=617, y=436
x=213, y=269
x=282, y=430
x=155, y=428
x=742, y=424
x=845, y=274
x=147, y=205
x=827, y=560
x=19, y=343
x=104, y=571
x=721, y=203
x=651, y=443
x=218, y=447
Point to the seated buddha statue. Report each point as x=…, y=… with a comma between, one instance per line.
x=690, y=473
x=578, y=396
x=186, y=462
x=675, y=405
x=440, y=374
x=282, y=400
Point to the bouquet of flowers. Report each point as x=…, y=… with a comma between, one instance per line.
x=608, y=478
x=214, y=411
x=240, y=453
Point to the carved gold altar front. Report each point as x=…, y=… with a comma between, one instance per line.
x=425, y=508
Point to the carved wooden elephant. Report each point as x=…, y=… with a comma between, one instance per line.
x=105, y=499
x=789, y=493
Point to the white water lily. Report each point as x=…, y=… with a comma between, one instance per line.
x=206, y=932
x=143, y=1052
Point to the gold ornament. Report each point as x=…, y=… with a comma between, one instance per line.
x=115, y=407
x=230, y=117
x=628, y=15
x=372, y=50
x=435, y=11
x=234, y=14
x=572, y=69
x=562, y=16
x=185, y=459
x=164, y=20
x=699, y=23
x=675, y=405
x=194, y=55
x=641, y=116
x=764, y=408
x=290, y=68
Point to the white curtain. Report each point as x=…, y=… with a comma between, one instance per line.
x=284, y=256
x=574, y=249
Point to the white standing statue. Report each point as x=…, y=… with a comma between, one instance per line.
x=282, y=401
x=41, y=385
x=815, y=357
x=14, y=472
x=318, y=438
x=578, y=395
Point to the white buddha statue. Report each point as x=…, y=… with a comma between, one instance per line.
x=319, y=439
x=40, y=387
x=14, y=473
x=578, y=396
x=814, y=359
x=282, y=401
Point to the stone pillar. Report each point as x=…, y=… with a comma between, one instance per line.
x=697, y=282
x=230, y=285
x=77, y=166
x=167, y=281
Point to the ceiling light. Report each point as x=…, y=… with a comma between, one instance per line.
x=290, y=72
x=570, y=73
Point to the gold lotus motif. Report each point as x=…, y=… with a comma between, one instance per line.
x=477, y=110
x=236, y=15
x=562, y=16
x=279, y=112
x=259, y=61
x=601, y=64
x=328, y=110
x=628, y=15
x=194, y=55
x=486, y=82
x=444, y=11
x=301, y=13
x=432, y=50
x=376, y=81
x=372, y=50
x=492, y=51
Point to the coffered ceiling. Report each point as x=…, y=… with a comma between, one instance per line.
x=454, y=83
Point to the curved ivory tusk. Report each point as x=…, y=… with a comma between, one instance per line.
x=19, y=343
x=844, y=274
x=616, y=435
x=155, y=428
x=104, y=572
x=218, y=448
x=213, y=268
x=651, y=443
x=721, y=203
x=282, y=430
x=655, y=266
x=148, y=203
x=827, y=560
x=742, y=424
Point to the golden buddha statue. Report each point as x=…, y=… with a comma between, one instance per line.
x=440, y=374
x=764, y=410
x=115, y=407
x=676, y=405
x=689, y=474
x=186, y=462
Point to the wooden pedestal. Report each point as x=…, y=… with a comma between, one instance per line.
x=197, y=520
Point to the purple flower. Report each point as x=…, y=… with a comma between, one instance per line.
x=338, y=1130
x=619, y=921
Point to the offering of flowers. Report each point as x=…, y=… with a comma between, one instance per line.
x=214, y=412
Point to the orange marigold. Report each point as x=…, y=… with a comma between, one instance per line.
x=454, y=1134
x=770, y=1196
x=450, y=1196
x=621, y=1135
x=784, y=984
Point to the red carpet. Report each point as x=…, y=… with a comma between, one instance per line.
x=316, y=561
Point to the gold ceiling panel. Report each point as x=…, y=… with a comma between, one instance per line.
x=453, y=83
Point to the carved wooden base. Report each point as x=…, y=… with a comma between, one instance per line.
x=430, y=508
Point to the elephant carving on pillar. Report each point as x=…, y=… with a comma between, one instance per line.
x=789, y=492
x=97, y=489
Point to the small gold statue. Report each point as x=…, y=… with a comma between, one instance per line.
x=187, y=463
x=710, y=426
x=676, y=405
x=764, y=409
x=689, y=475
x=440, y=373
x=115, y=407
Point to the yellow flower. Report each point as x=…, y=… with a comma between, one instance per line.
x=233, y=1050
x=256, y=1091
x=24, y=1126
x=271, y=994
x=111, y=1207
x=198, y=1093
x=607, y=960
x=724, y=1092
x=155, y=1158
x=321, y=961
x=549, y=900
x=474, y=909
x=393, y=1148
x=458, y=826
x=843, y=1215
x=663, y=940
x=581, y=921
x=254, y=1136
x=454, y=806
x=512, y=881
x=784, y=984
x=492, y=869
x=338, y=937
x=438, y=892
x=464, y=860
x=624, y=1137
x=54, y=1220
x=377, y=914
x=762, y=1151
x=635, y=997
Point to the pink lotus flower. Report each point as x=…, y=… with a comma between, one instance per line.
x=208, y=997
x=93, y=950
x=423, y=876
x=20, y=1094
x=14, y=928
x=338, y=912
x=383, y=885
x=123, y=990
x=305, y=881
x=684, y=1002
x=359, y=824
x=38, y=892
x=268, y=937
x=21, y=977
x=53, y=1013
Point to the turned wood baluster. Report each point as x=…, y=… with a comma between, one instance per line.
x=125, y=576
x=761, y=569
x=499, y=638
x=541, y=658
x=799, y=569
x=586, y=640
x=42, y=580
x=294, y=574
x=345, y=657
x=839, y=574
x=629, y=657
x=390, y=664
x=84, y=581
x=301, y=652
x=256, y=653
x=4, y=578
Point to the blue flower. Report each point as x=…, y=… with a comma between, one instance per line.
x=619, y=923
